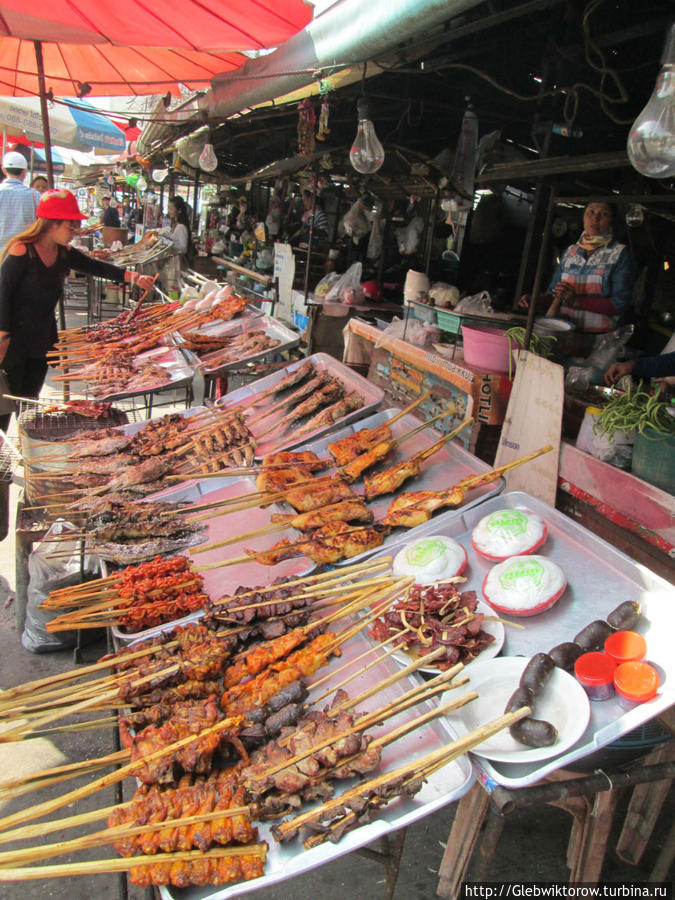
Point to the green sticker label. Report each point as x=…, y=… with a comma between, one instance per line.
x=508, y=522
x=522, y=574
x=425, y=552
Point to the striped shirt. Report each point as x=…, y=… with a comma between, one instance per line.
x=18, y=204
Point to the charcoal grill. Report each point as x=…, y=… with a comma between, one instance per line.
x=37, y=432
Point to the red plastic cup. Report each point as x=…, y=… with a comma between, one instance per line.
x=635, y=682
x=625, y=646
x=595, y=672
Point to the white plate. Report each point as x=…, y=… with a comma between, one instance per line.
x=496, y=629
x=564, y=703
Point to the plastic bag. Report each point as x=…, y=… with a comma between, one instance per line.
x=413, y=331
x=478, y=305
x=606, y=349
x=408, y=238
x=376, y=238
x=326, y=284
x=445, y=296
x=48, y=570
x=347, y=288
x=355, y=222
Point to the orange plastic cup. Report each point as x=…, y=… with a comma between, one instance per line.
x=625, y=646
x=635, y=682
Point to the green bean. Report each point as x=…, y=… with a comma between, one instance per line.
x=636, y=411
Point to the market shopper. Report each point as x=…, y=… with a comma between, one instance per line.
x=593, y=283
x=662, y=366
x=110, y=217
x=33, y=268
x=39, y=184
x=183, y=251
x=18, y=202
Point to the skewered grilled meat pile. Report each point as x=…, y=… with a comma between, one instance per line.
x=331, y=414
x=126, y=533
x=348, y=448
x=155, y=600
x=87, y=408
x=227, y=444
x=204, y=343
x=327, y=544
x=436, y=616
x=191, y=796
x=239, y=348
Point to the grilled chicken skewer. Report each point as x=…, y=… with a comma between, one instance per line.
x=357, y=466
x=389, y=480
x=415, y=507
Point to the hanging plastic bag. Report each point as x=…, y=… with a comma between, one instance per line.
x=355, y=222
x=408, y=238
x=478, y=305
x=348, y=286
x=49, y=569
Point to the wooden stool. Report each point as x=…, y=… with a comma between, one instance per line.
x=591, y=800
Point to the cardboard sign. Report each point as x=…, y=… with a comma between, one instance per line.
x=533, y=420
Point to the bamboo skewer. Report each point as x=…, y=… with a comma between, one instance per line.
x=42, y=829
x=105, y=866
x=49, y=806
x=111, y=835
x=71, y=769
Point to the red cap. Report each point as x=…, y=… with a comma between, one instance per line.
x=637, y=681
x=624, y=646
x=594, y=669
x=59, y=204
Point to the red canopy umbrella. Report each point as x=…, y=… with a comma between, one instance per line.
x=216, y=25
x=105, y=70
x=108, y=62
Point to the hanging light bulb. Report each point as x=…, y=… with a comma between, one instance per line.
x=651, y=142
x=141, y=184
x=208, y=161
x=160, y=175
x=367, y=153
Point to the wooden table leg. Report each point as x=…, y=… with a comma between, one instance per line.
x=644, y=809
x=462, y=839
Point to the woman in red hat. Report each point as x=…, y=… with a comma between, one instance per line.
x=33, y=268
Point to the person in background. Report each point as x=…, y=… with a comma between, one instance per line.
x=18, y=202
x=110, y=217
x=662, y=366
x=33, y=268
x=39, y=184
x=593, y=283
x=179, y=232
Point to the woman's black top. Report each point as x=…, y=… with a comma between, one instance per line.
x=29, y=292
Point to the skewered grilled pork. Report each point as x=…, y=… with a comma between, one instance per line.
x=343, y=451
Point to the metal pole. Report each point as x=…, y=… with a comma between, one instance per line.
x=45, y=118
x=540, y=266
x=195, y=214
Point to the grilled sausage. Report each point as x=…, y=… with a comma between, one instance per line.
x=626, y=615
x=565, y=655
x=593, y=636
x=534, y=732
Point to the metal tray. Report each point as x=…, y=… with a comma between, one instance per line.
x=179, y=373
x=218, y=582
x=273, y=329
x=218, y=327
x=371, y=394
x=449, y=465
x=443, y=787
x=599, y=577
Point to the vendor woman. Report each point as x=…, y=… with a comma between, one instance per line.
x=593, y=283
x=33, y=268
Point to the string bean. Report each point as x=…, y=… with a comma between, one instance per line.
x=636, y=411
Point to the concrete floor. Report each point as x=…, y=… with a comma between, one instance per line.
x=533, y=846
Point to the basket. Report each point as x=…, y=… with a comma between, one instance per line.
x=448, y=321
x=486, y=348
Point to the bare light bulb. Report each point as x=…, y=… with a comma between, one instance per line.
x=367, y=153
x=208, y=161
x=141, y=185
x=160, y=175
x=651, y=142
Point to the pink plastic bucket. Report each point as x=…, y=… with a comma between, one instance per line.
x=486, y=348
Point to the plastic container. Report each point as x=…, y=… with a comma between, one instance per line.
x=585, y=436
x=654, y=459
x=635, y=682
x=595, y=673
x=625, y=646
x=486, y=348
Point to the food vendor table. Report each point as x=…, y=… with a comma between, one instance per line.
x=405, y=371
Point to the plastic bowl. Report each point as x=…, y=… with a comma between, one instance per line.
x=486, y=348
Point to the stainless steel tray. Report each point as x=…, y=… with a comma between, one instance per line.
x=443, y=787
x=218, y=582
x=273, y=329
x=449, y=465
x=352, y=381
x=218, y=327
x=599, y=577
x=178, y=373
